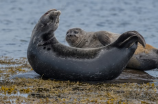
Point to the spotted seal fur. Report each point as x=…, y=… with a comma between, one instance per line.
x=51, y=59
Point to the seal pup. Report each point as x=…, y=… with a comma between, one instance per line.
x=143, y=58
x=51, y=59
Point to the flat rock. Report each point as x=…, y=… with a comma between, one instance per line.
x=31, y=74
x=134, y=76
x=127, y=76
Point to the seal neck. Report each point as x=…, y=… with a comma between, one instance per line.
x=47, y=39
x=47, y=36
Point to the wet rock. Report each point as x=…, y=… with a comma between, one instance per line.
x=30, y=74
x=127, y=76
x=134, y=76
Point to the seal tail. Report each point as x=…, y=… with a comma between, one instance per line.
x=127, y=39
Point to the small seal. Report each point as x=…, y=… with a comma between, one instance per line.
x=51, y=59
x=76, y=37
x=143, y=59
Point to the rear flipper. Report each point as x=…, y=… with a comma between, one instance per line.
x=144, y=61
x=129, y=38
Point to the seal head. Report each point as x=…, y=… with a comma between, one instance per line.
x=75, y=36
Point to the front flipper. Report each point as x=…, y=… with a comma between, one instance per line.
x=103, y=39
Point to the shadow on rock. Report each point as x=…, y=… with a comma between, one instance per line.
x=127, y=76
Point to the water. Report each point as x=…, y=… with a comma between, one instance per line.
x=17, y=19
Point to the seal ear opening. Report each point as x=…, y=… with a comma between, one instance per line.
x=127, y=39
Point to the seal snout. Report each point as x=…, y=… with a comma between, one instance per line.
x=57, y=12
x=71, y=35
x=52, y=14
x=53, y=11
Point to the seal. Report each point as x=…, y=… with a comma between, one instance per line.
x=76, y=37
x=144, y=58
x=51, y=59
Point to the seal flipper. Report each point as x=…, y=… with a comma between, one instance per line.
x=103, y=39
x=127, y=39
x=141, y=39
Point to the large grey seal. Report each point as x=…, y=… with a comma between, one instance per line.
x=52, y=59
x=143, y=59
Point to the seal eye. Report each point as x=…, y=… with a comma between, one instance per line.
x=76, y=32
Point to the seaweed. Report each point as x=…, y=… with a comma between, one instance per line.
x=22, y=90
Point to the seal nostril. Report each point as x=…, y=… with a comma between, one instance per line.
x=44, y=47
x=69, y=35
x=48, y=49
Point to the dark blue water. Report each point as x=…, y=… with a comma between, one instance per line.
x=18, y=17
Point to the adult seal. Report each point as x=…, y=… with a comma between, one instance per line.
x=51, y=59
x=144, y=58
